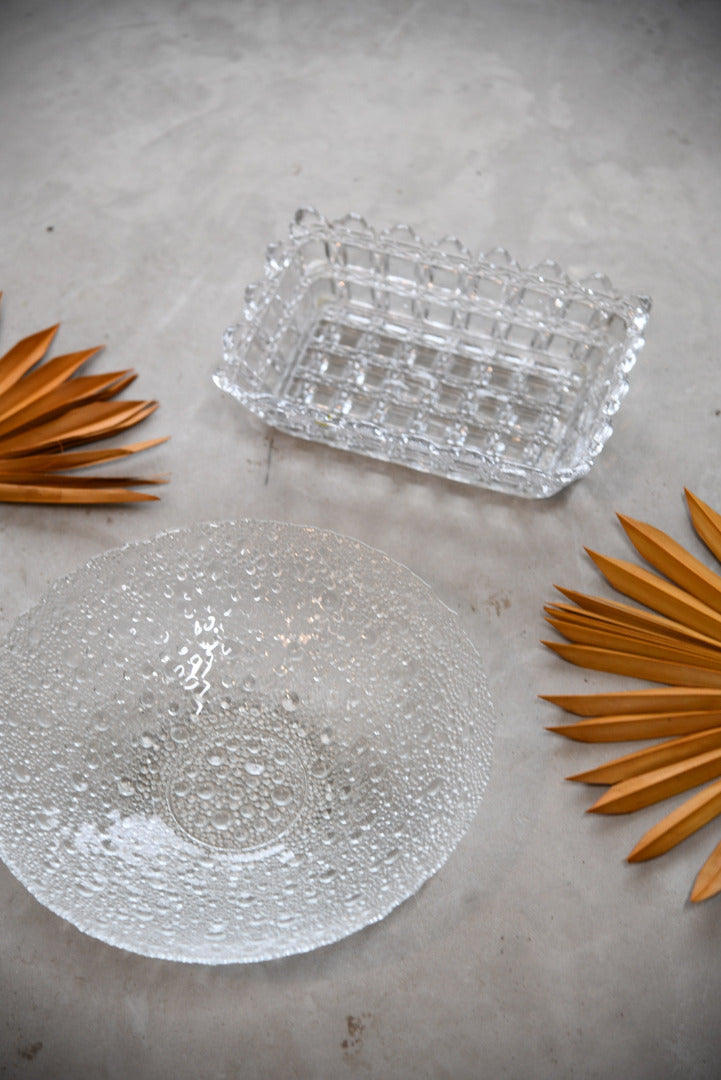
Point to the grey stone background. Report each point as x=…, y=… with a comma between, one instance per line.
x=149, y=152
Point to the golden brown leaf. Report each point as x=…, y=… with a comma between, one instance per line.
x=708, y=881
x=674, y=639
x=686, y=819
x=47, y=410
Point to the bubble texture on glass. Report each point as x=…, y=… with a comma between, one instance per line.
x=237, y=741
x=467, y=367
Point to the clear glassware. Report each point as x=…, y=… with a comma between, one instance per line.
x=237, y=742
x=467, y=367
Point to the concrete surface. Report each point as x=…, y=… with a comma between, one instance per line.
x=150, y=150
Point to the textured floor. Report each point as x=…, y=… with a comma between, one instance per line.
x=150, y=152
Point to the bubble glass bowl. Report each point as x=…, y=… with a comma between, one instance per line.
x=470, y=368
x=237, y=742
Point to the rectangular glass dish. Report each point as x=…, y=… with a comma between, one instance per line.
x=466, y=367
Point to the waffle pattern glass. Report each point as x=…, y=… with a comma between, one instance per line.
x=469, y=368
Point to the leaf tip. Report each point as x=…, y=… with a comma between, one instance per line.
x=600, y=806
x=703, y=891
x=640, y=853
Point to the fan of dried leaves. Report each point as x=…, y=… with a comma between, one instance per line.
x=674, y=639
x=46, y=410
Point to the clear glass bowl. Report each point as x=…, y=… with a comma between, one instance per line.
x=237, y=742
x=470, y=368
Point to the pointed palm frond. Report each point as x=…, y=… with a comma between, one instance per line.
x=47, y=410
x=673, y=640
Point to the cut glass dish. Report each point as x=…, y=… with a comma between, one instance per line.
x=467, y=367
x=237, y=742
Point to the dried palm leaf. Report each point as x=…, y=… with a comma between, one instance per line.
x=47, y=409
x=673, y=640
